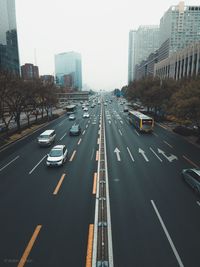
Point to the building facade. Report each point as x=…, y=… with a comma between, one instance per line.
x=9, y=55
x=183, y=63
x=47, y=78
x=69, y=64
x=29, y=72
x=131, y=65
x=179, y=26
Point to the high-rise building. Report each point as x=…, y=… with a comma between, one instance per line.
x=142, y=43
x=69, y=63
x=146, y=42
x=9, y=55
x=179, y=26
x=29, y=71
x=131, y=65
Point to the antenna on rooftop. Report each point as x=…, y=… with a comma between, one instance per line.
x=35, y=57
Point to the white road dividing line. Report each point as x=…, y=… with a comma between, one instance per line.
x=155, y=154
x=63, y=136
x=121, y=122
x=86, y=126
x=120, y=132
x=155, y=134
x=83, y=132
x=168, y=144
x=167, y=235
x=198, y=203
x=9, y=163
x=137, y=133
x=79, y=141
x=37, y=164
x=72, y=156
x=130, y=154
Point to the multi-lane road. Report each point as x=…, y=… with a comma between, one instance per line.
x=47, y=213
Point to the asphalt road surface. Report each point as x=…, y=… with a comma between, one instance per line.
x=45, y=213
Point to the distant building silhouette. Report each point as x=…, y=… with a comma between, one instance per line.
x=29, y=71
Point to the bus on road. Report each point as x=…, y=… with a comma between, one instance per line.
x=141, y=121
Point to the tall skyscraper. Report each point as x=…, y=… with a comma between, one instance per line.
x=146, y=42
x=131, y=65
x=179, y=26
x=9, y=55
x=69, y=63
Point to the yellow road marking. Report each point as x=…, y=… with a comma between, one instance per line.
x=191, y=162
x=73, y=154
x=29, y=247
x=95, y=184
x=90, y=246
x=97, y=155
x=59, y=184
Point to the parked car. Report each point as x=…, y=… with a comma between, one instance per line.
x=57, y=156
x=85, y=109
x=192, y=177
x=46, y=138
x=72, y=117
x=75, y=130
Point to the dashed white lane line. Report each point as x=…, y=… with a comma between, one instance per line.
x=9, y=163
x=120, y=132
x=130, y=154
x=63, y=136
x=168, y=144
x=37, y=164
x=72, y=156
x=83, y=132
x=198, y=203
x=137, y=133
x=79, y=141
x=167, y=235
x=155, y=134
x=155, y=154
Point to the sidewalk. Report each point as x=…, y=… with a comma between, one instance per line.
x=27, y=131
x=169, y=126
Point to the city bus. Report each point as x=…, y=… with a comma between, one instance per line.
x=141, y=121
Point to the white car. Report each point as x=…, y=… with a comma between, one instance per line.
x=86, y=115
x=85, y=109
x=57, y=156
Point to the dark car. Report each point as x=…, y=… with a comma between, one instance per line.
x=192, y=177
x=75, y=130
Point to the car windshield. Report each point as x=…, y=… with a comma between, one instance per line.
x=55, y=153
x=44, y=137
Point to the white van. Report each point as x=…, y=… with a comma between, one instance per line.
x=47, y=138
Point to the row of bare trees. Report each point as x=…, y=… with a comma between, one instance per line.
x=179, y=99
x=29, y=97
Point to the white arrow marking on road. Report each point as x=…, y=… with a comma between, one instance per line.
x=170, y=158
x=155, y=154
x=143, y=154
x=117, y=151
x=130, y=154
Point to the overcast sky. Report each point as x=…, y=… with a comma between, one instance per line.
x=96, y=29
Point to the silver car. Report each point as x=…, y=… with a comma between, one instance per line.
x=192, y=177
x=57, y=156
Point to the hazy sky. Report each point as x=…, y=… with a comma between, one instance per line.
x=96, y=29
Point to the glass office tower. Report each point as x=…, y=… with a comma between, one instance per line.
x=69, y=63
x=9, y=55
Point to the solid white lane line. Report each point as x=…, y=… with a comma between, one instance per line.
x=168, y=144
x=37, y=164
x=63, y=136
x=120, y=132
x=137, y=133
x=9, y=163
x=167, y=235
x=155, y=154
x=130, y=154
